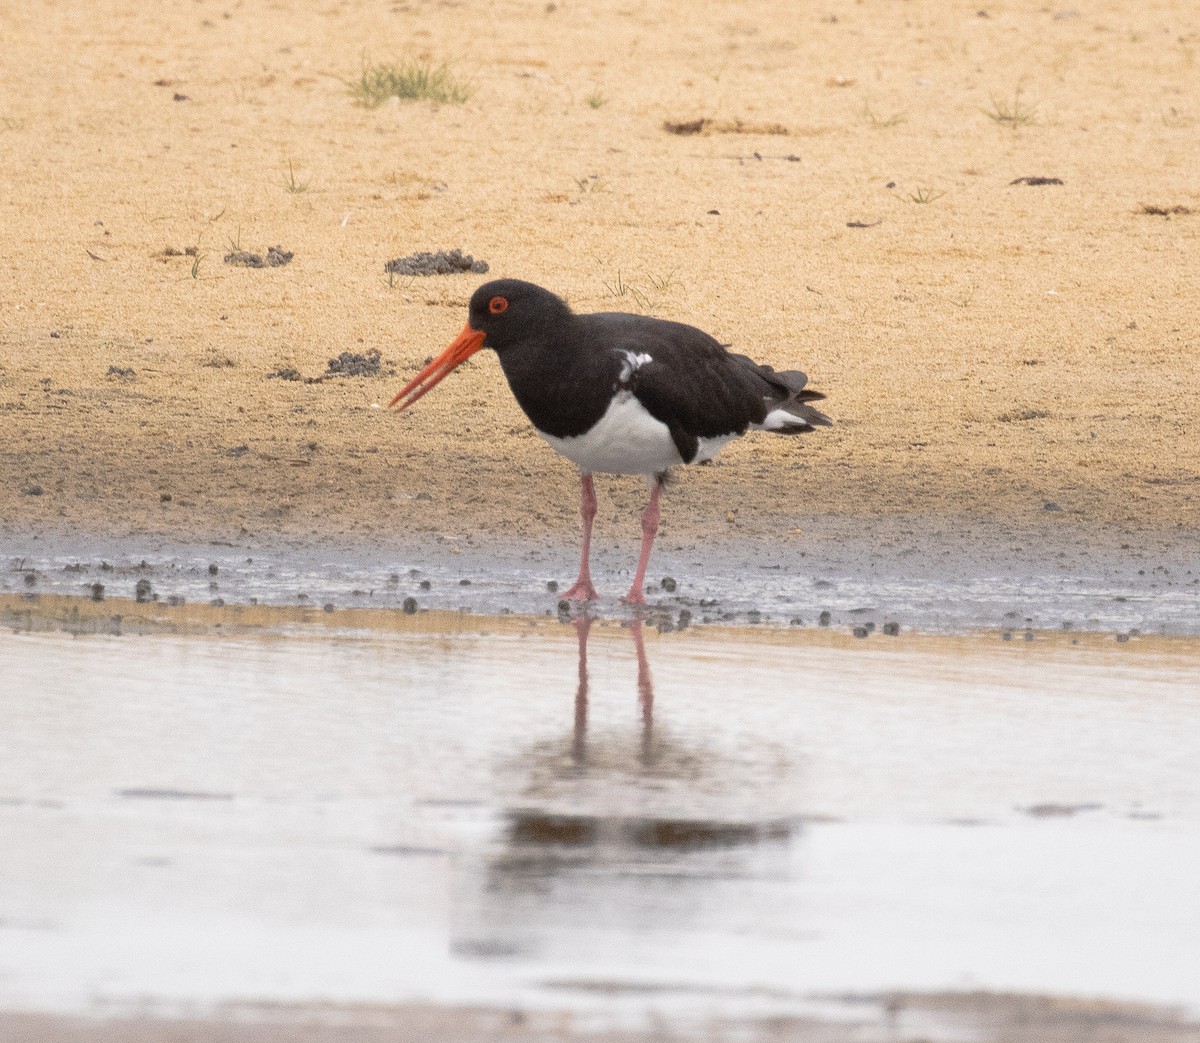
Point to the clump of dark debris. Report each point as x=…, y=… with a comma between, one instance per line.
x=276, y=257
x=440, y=263
x=1165, y=211
x=349, y=364
x=121, y=373
x=174, y=251
x=285, y=373
x=1036, y=181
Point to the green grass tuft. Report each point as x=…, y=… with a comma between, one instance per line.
x=408, y=81
x=1012, y=114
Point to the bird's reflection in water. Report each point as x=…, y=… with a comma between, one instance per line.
x=629, y=832
x=645, y=689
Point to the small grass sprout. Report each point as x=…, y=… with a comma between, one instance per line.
x=878, y=122
x=1012, y=114
x=291, y=183
x=925, y=194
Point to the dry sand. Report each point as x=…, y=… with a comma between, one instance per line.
x=991, y=349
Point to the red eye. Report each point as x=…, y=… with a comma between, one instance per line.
x=498, y=304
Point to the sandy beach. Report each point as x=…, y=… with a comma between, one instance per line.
x=988, y=347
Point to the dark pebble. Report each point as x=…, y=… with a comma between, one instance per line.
x=213, y=570
x=552, y=586
x=97, y=591
x=175, y=601
x=220, y=602
x=165, y=498
x=425, y=585
x=891, y=629
x=30, y=579
x=668, y=584
x=796, y=621
x=1006, y=636
x=327, y=608
x=1122, y=638
x=33, y=490
x=142, y=590
x=685, y=619
x=825, y=618
x=564, y=606
x=1050, y=505
x=861, y=631
x=409, y=606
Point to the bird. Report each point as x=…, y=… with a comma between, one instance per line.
x=620, y=393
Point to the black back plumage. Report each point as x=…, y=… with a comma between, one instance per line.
x=564, y=369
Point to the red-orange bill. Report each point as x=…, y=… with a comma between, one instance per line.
x=465, y=345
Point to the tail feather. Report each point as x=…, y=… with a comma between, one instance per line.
x=785, y=397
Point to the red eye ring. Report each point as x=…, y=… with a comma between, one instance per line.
x=497, y=305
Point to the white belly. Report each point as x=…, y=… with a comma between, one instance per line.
x=626, y=440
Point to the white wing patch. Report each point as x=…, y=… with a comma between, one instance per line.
x=633, y=361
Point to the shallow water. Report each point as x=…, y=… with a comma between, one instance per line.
x=716, y=823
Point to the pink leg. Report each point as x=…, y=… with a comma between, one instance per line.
x=649, y=528
x=582, y=590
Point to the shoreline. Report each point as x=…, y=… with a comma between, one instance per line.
x=961, y=1015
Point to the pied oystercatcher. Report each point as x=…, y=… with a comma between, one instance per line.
x=620, y=394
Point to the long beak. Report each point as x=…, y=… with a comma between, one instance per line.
x=465, y=345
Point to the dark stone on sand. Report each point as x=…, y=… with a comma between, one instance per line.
x=213, y=569
x=425, y=585
x=825, y=618
x=142, y=592
x=668, y=584
x=97, y=591
x=327, y=608
x=441, y=263
x=33, y=490
x=552, y=586
x=685, y=619
x=30, y=579
x=464, y=582
x=861, y=631
x=349, y=364
x=409, y=606
x=276, y=257
x=1050, y=505
x=891, y=629
x=285, y=373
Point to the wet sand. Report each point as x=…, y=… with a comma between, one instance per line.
x=1031, y=1019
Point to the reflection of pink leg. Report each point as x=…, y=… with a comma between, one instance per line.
x=649, y=528
x=582, y=625
x=582, y=590
x=645, y=688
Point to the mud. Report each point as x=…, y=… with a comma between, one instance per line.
x=440, y=263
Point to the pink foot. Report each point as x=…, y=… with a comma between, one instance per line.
x=582, y=590
x=634, y=597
